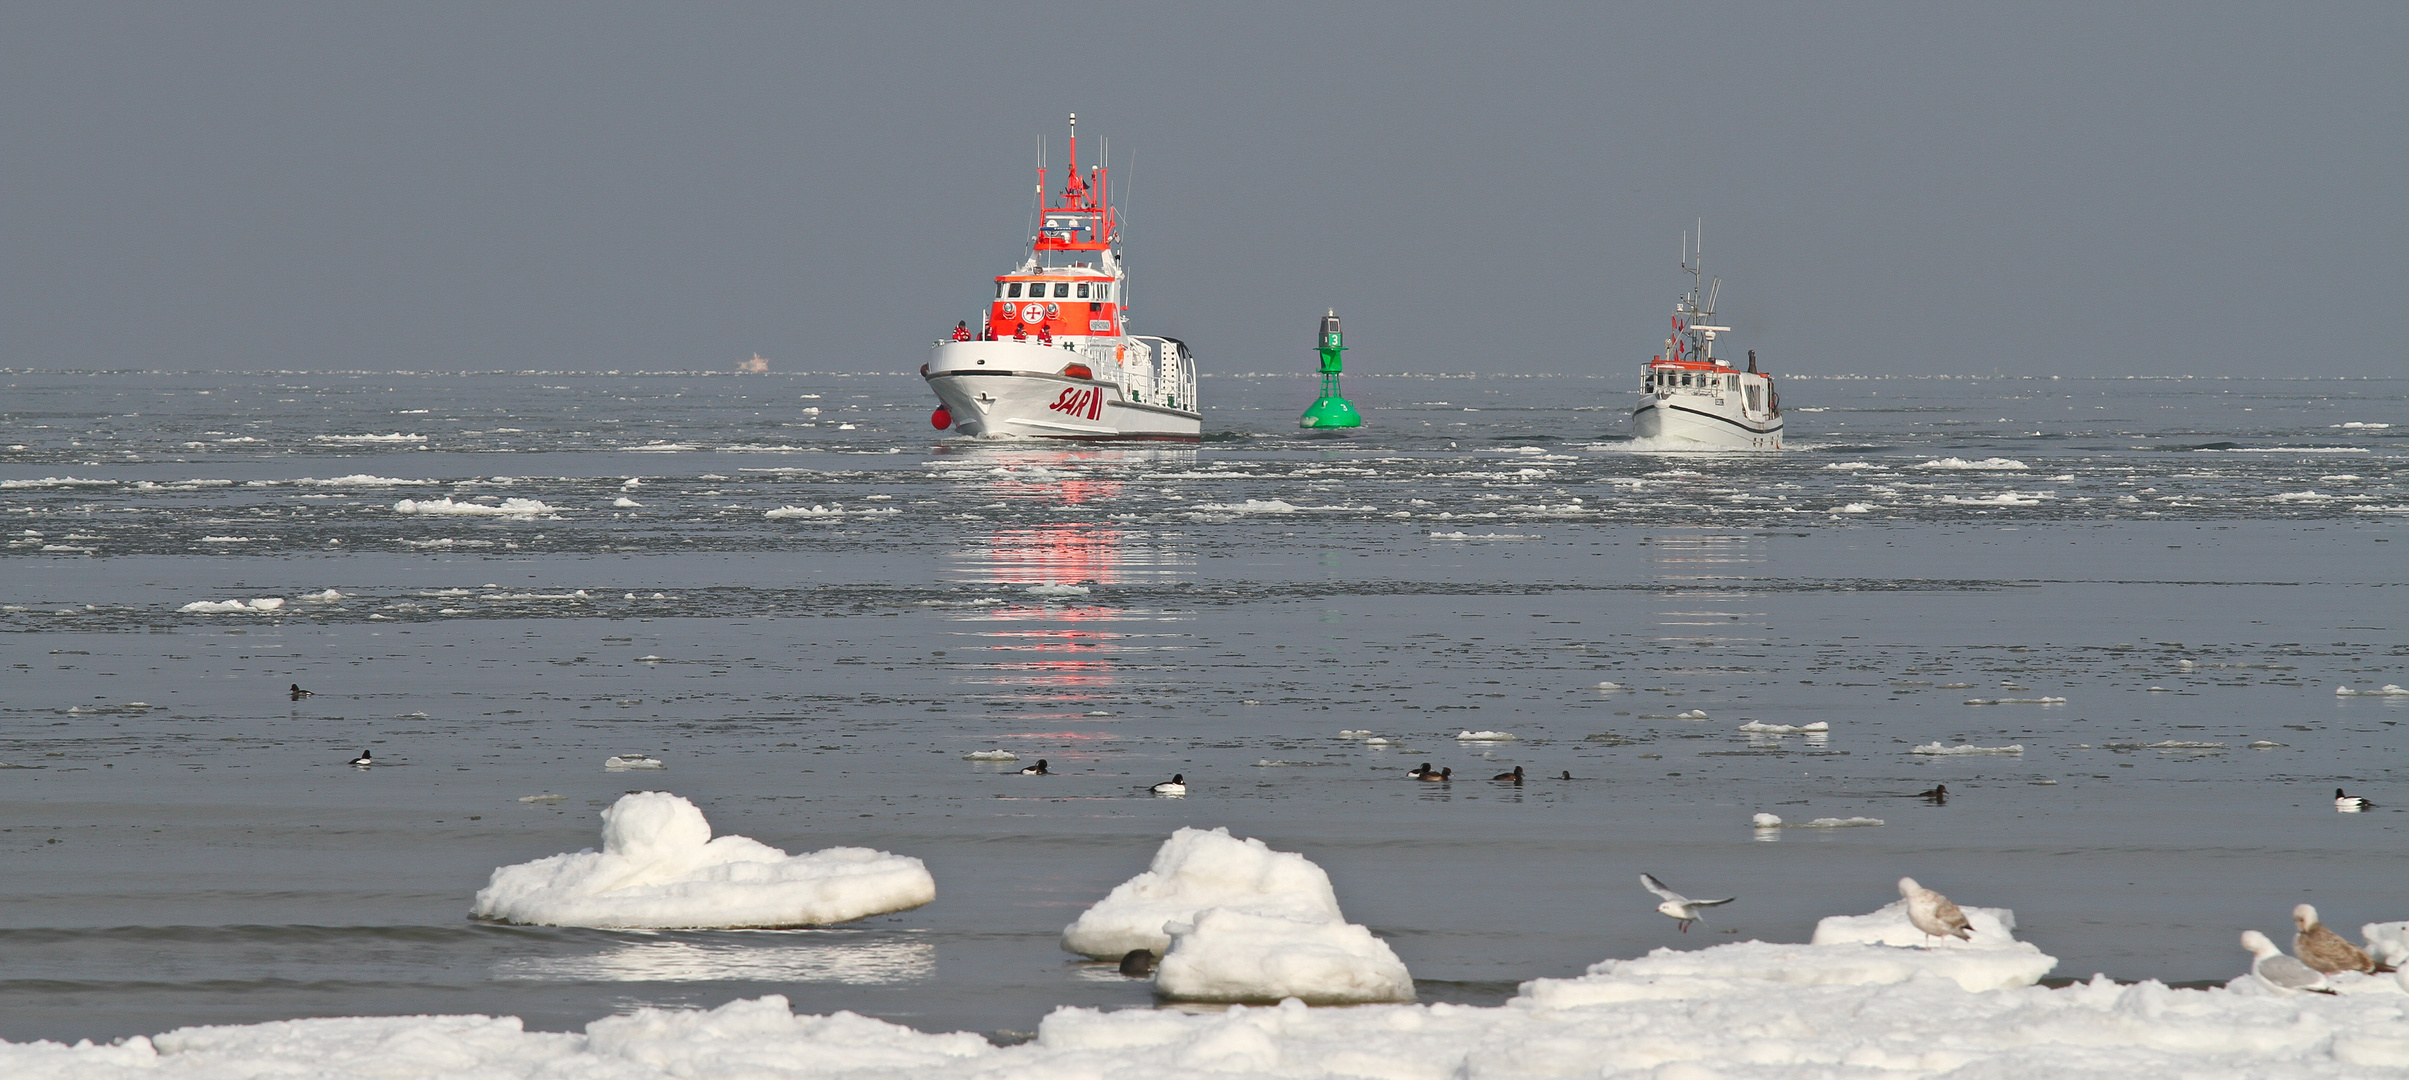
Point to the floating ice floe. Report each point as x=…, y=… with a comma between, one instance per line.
x=522, y=509
x=660, y=868
x=2004, y=498
x=1855, y=508
x=1234, y=920
x=2388, y=690
x=230, y=607
x=1351, y=733
x=546, y=797
x=1754, y=727
x=814, y=511
x=991, y=755
x=1057, y=589
x=1769, y=821
x=1481, y=536
x=624, y=762
x=1487, y=736
x=54, y=482
x=396, y=437
x=1197, y=869
x=1226, y=954
x=329, y=596
x=625, y=503
x=1250, y=506
x=1693, y=714
x=1935, y=748
x=1610, y=686
x=353, y=480
x=2016, y=701
x=1997, y=464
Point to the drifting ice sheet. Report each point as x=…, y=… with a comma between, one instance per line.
x=659, y=868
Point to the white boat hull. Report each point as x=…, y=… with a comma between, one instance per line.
x=1683, y=418
x=1007, y=389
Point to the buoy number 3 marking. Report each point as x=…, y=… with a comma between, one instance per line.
x=1075, y=401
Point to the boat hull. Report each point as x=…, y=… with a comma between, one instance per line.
x=1672, y=420
x=1014, y=390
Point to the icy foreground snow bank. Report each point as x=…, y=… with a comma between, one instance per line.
x=1717, y=1016
x=1234, y=920
x=659, y=868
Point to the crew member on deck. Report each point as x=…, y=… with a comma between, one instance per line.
x=962, y=330
x=1045, y=334
x=1020, y=332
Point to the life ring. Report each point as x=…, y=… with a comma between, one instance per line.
x=1032, y=312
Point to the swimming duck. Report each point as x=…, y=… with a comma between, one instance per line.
x=1038, y=769
x=1177, y=785
x=1419, y=772
x=362, y=760
x=299, y=693
x=1939, y=793
x=1442, y=776
x=1514, y=777
x=1568, y=774
x=2350, y=804
x=1137, y=963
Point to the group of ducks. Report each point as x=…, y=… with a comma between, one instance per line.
x=2320, y=952
x=1177, y=785
x=1447, y=775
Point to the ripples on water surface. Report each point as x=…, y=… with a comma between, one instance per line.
x=812, y=616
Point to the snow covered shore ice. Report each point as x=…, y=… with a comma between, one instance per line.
x=659, y=868
x=1234, y=920
x=1747, y=1009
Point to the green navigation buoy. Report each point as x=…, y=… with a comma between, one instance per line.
x=1330, y=410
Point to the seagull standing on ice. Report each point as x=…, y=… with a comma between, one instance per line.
x=1680, y=908
x=1933, y=913
x=2281, y=973
x=2324, y=949
x=2350, y=804
x=362, y=761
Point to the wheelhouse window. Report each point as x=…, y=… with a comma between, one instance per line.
x=1083, y=290
x=1013, y=290
x=1104, y=292
x=1062, y=290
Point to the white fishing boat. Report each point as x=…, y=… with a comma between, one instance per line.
x=1051, y=356
x=1690, y=396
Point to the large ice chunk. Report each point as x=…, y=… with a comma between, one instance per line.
x=1197, y=869
x=1232, y=955
x=659, y=868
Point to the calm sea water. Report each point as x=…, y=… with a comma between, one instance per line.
x=2193, y=566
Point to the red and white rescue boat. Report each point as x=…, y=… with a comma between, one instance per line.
x=1050, y=357
x=1694, y=397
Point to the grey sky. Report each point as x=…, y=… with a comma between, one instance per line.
x=1952, y=188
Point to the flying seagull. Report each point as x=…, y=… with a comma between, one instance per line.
x=1932, y=913
x=2281, y=973
x=1680, y=908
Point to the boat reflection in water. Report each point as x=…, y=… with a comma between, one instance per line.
x=1072, y=592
